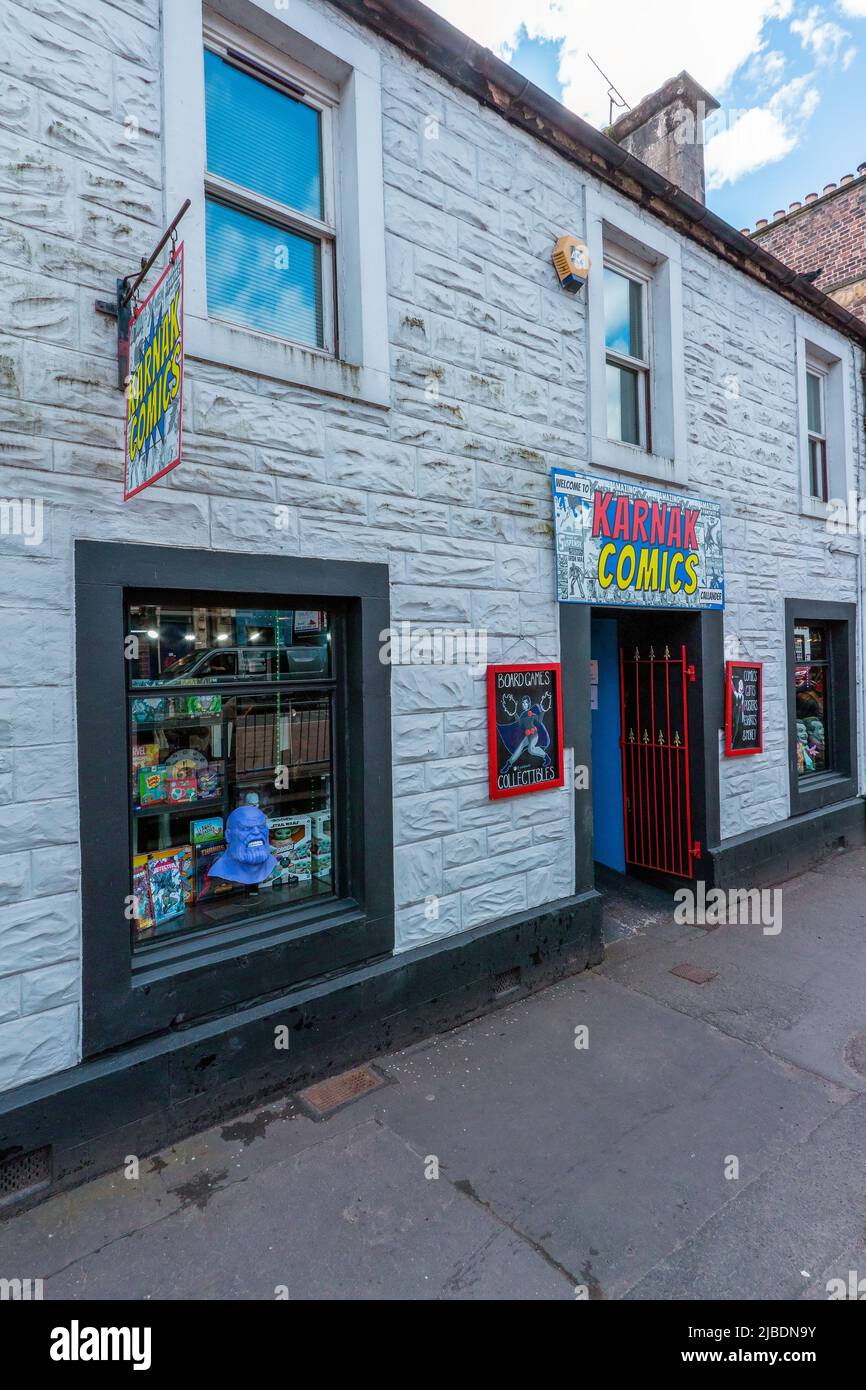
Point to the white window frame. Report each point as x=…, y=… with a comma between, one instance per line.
x=343, y=71
x=820, y=351
x=618, y=236
x=617, y=260
x=813, y=369
x=232, y=45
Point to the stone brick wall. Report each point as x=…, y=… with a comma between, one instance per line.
x=829, y=235
x=451, y=484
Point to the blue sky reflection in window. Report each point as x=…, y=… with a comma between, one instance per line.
x=260, y=274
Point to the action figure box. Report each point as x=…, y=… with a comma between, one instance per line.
x=291, y=845
x=210, y=781
x=204, y=856
x=203, y=704
x=321, y=844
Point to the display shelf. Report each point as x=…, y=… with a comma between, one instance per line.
x=180, y=721
x=162, y=808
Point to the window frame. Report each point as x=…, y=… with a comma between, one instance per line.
x=617, y=234
x=321, y=97
x=632, y=271
x=129, y=995
x=820, y=351
x=818, y=437
x=336, y=62
x=839, y=783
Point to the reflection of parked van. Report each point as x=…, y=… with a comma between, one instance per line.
x=234, y=663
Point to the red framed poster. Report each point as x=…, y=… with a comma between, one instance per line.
x=524, y=728
x=744, y=708
x=154, y=397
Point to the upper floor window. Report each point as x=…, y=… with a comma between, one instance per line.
x=269, y=214
x=825, y=446
x=815, y=420
x=626, y=357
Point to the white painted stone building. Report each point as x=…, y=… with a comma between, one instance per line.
x=464, y=375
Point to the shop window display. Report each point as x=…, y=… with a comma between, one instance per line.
x=812, y=681
x=231, y=763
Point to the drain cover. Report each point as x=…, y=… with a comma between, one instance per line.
x=326, y=1097
x=695, y=974
x=855, y=1053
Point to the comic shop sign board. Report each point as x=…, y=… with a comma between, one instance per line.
x=155, y=395
x=744, y=708
x=624, y=544
x=524, y=729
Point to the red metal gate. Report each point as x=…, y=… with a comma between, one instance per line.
x=654, y=743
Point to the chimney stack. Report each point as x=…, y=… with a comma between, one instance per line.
x=666, y=131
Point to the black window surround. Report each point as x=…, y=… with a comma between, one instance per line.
x=839, y=782
x=174, y=982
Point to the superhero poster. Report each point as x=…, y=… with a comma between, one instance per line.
x=524, y=729
x=154, y=401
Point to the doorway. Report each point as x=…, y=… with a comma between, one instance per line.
x=647, y=779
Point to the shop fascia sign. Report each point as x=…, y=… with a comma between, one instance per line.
x=150, y=364
x=621, y=544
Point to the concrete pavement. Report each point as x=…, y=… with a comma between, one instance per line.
x=605, y=1168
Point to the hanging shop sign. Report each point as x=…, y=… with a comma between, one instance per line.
x=744, y=708
x=623, y=544
x=155, y=394
x=524, y=729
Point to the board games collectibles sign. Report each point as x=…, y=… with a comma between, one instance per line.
x=627, y=545
x=524, y=729
x=155, y=395
x=744, y=708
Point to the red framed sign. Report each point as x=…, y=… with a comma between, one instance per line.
x=154, y=398
x=524, y=729
x=744, y=708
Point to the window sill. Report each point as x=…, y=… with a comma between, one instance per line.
x=627, y=458
x=812, y=506
x=820, y=790
x=208, y=340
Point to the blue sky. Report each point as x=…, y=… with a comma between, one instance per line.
x=790, y=74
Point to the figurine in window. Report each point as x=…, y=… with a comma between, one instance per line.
x=247, y=858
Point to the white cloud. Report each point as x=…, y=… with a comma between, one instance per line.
x=821, y=37
x=638, y=44
x=762, y=134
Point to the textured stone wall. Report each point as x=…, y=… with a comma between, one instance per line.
x=451, y=484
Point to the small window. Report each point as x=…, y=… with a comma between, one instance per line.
x=812, y=697
x=815, y=414
x=227, y=707
x=269, y=222
x=627, y=358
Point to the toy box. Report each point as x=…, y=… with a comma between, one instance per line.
x=203, y=857
x=210, y=781
x=203, y=704
x=207, y=829
x=148, y=708
x=290, y=841
x=144, y=755
x=321, y=844
x=184, y=788
x=152, y=785
x=141, y=892
x=166, y=886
